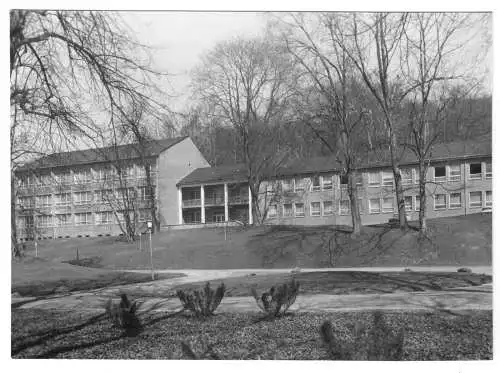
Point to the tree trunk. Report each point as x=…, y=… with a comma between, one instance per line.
x=149, y=186
x=353, y=196
x=400, y=198
x=422, y=183
x=13, y=222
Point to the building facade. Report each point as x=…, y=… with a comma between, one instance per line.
x=86, y=193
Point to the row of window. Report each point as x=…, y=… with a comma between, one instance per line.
x=86, y=197
x=381, y=205
x=443, y=173
x=83, y=176
x=84, y=218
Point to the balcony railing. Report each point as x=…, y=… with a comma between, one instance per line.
x=238, y=199
x=191, y=202
x=218, y=200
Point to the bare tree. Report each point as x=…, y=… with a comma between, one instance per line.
x=65, y=64
x=337, y=117
x=429, y=63
x=248, y=85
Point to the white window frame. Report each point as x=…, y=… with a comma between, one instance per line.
x=406, y=180
x=291, y=210
x=287, y=182
x=299, y=214
x=359, y=179
x=376, y=183
x=450, y=171
x=80, y=201
x=486, y=202
x=316, y=188
x=44, y=221
x=370, y=207
x=476, y=204
x=325, y=212
x=344, y=211
x=488, y=175
x=66, y=202
x=83, y=176
x=478, y=176
x=144, y=215
x=388, y=210
x=45, y=202
x=328, y=185
x=269, y=215
x=343, y=186
x=440, y=207
x=301, y=185
x=417, y=198
x=416, y=176
x=66, y=222
x=109, y=218
x=440, y=179
x=411, y=204
x=453, y=206
x=313, y=212
x=387, y=179
x=88, y=218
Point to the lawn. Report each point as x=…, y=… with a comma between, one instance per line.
x=350, y=282
x=38, y=277
x=462, y=241
x=428, y=336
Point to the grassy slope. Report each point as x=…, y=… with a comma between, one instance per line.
x=41, y=277
x=429, y=336
x=464, y=240
x=350, y=282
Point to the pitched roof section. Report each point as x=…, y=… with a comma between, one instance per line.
x=233, y=173
x=107, y=154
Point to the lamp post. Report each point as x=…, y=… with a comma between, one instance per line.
x=150, y=228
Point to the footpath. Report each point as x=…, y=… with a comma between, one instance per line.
x=450, y=300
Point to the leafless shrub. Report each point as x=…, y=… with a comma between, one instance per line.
x=123, y=315
x=208, y=354
x=277, y=300
x=202, y=303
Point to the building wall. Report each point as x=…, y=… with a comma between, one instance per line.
x=173, y=164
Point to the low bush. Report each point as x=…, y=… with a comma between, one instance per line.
x=204, y=302
x=464, y=270
x=377, y=343
x=123, y=315
x=208, y=354
x=277, y=300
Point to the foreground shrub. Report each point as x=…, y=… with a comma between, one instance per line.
x=208, y=354
x=378, y=343
x=277, y=300
x=123, y=315
x=464, y=270
x=202, y=303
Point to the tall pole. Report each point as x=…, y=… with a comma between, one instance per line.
x=151, y=256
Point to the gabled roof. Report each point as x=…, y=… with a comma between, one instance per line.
x=107, y=154
x=316, y=165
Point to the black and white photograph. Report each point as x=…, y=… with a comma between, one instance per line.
x=251, y=185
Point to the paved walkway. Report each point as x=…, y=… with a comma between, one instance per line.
x=460, y=299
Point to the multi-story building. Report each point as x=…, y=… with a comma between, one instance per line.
x=87, y=192
x=313, y=191
x=70, y=194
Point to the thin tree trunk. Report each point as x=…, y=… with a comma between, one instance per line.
x=353, y=196
x=422, y=182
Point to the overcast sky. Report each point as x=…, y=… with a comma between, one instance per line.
x=180, y=38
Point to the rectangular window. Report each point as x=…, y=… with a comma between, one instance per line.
x=63, y=220
x=45, y=179
x=145, y=215
x=315, y=209
x=345, y=207
x=373, y=179
x=83, y=218
x=83, y=198
x=440, y=202
x=387, y=178
x=105, y=217
x=488, y=200
x=44, y=201
x=300, y=184
x=475, y=171
x=27, y=181
x=455, y=200
x=454, y=172
x=417, y=203
x=299, y=210
x=287, y=209
x=343, y=181
x=26, y=202
x=439, y=174
x=360, y=205
x=287, y=185
x=64, y=178
x=408, y=203
x=44, y=221
x=359, y=179
x=327, y=208
x=416, y=172
x=272, y=212
x=388, y=205
x=145, y=193
x=475, y=199
x=104, y=195
x=127, y=172
x=374, y=205
x=327, y=182
x=270, y=187
x=63, y=199
x=406, y=176
x=82, y=176
x=315, y=184
x=489, y=170
x=105, y=174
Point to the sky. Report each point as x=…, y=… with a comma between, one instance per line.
x=178, y=39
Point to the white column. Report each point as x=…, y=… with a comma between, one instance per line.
x=226, y=207
x=202, y=196
x=250, y=215
x=179, y=196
